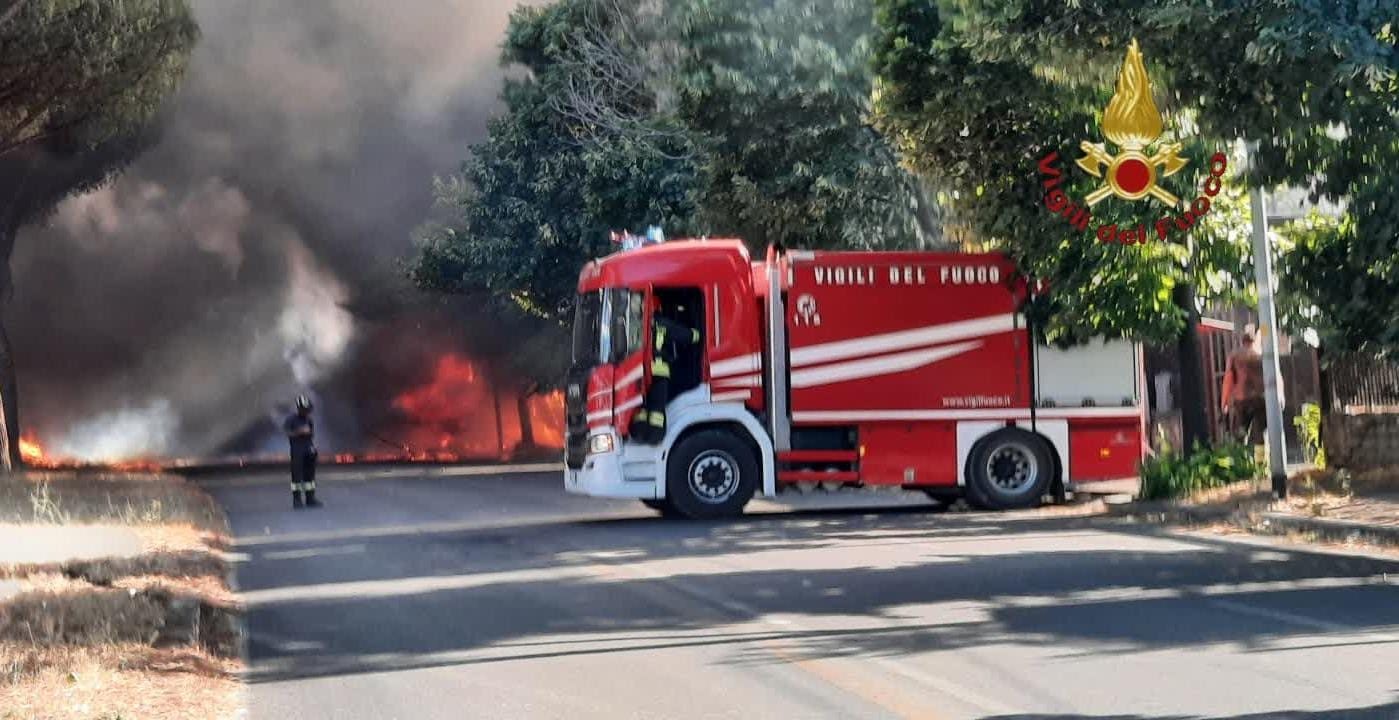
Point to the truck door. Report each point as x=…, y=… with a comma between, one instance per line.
x=630, y=352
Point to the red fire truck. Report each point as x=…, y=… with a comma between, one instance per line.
x=838, y=369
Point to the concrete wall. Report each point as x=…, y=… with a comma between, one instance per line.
x=1361, y=442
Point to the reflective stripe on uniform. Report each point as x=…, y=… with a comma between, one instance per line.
x=657, y=419
x=660, y=368
x=694, y=336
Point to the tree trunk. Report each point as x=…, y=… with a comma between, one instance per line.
x=926, y=211
x=1194, y=427
x=1323, y=380
x=499, y=426
x=526, y=424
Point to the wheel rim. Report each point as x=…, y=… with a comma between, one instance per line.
x=713, y=476
x=1012, y=468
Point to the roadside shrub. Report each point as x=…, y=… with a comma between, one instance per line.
x=1308, y=423
x=1171, y=474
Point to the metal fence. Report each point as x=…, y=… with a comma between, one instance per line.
x=1362, y=384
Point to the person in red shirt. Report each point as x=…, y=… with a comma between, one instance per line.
x=1242, y=395
x=1242, y=398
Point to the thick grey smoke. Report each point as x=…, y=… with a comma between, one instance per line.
x=226, y=269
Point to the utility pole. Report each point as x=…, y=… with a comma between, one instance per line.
x=1267, y=335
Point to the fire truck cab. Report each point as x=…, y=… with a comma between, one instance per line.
x=837, y=369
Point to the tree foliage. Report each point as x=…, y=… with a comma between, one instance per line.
x=80, y=82
x=709, y=117
x=532, y=203
x=779, y=92
x=80, y=72
x=975, y=92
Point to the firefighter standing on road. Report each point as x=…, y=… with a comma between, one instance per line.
x=301, y=433
x=670, y=339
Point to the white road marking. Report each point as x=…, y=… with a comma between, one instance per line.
x=1281, y=616
x=313, y=552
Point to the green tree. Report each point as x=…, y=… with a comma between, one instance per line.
x=79, y=81
x=779, y=93
x=975, y=92
x=702, y=116
x=537, y=198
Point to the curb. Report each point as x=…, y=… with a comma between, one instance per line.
x=1252, y=515
x=1167, y=511
x=1334, y=530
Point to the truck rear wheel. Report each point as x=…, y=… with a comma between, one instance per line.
x=1009, y=469
x=711, y=474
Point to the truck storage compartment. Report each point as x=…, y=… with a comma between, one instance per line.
x=1098, y=374
x=908, y=454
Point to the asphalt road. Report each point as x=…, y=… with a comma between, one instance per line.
x=501, y=597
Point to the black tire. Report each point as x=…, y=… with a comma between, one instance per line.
x=711, y=474
x=1009, y=469
x=661, y=506
x=944, y=497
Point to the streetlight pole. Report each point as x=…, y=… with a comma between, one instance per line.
x=1267, y=335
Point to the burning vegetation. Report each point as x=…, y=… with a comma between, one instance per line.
x=457, y=413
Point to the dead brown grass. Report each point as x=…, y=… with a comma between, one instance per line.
x=107, y=497
x=92, y=617
x=189, y=573
x=1234, y=493
x=149, y=636
x=180, y=537
x=116, y=681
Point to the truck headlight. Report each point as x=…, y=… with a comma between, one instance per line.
x=600, y=443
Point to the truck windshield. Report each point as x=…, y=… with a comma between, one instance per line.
x=625, y=310
x=587, y=330
x=607, y=326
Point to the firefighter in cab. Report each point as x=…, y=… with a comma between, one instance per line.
x=301, y=433
x=671, y=341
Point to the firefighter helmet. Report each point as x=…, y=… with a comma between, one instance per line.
x=303, y=402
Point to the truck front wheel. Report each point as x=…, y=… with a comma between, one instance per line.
x=1008, y=469
x=661, y=506
x=711, y=474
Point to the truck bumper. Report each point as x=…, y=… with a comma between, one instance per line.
x=627, y=472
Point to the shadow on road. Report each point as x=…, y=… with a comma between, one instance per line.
x=552, y=589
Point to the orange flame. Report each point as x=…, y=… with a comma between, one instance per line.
x=1132, y=119
x=454, y=416
x=546, y=413
x=442, y=414
x=31, y=452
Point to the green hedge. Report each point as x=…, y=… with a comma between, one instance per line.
x=1172, y=475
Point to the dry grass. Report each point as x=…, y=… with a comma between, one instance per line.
x=107, y=497
x=1234, y=493
x=93, y=617
x=149, y=636
x=116, y=681
x=187, y=573
x=180, y=537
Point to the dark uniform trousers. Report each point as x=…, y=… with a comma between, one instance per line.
x=303, y=471
x=649, y=423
